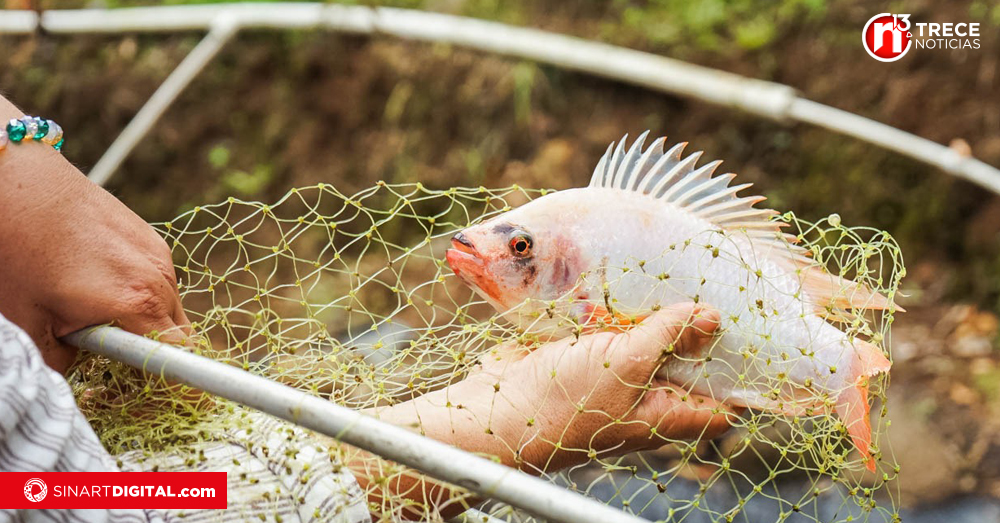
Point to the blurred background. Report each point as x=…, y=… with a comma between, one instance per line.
x=278, y=109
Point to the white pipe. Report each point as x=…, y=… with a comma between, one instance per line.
x=434, y=458
x=649, y=70
x=927, y=151
x=475, y=516
x=18, y=22
x=185, y=17
x=769, y=99
x=222, y=31
x=646, y=69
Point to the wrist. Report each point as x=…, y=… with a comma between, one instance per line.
x=31, y=152
x=472, y=415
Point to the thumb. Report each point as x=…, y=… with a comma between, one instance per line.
x=497, y=359
x=678, y=329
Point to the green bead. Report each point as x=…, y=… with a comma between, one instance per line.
x=15, y=130
x=43, y=129
x=58, y=145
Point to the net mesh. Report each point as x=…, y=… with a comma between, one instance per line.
x=348, y=297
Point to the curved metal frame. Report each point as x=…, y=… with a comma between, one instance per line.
x=772, y=100
x=769, y=99
x=432, y=457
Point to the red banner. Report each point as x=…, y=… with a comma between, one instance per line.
x=155, y=490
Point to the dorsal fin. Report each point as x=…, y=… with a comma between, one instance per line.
x=666, y=176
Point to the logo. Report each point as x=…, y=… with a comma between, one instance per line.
x=103, y=490
x=30, y=485
x=887, y=37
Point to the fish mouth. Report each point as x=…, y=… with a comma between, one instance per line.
x=461, y=243
x=466, y=262
x=463, y=258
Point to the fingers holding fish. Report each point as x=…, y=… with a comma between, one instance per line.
x=676, y=414
x=502, y=356
x=653, y=230
x=684, y=328
x=664, y=414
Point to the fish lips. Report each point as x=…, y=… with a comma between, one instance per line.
x=464, y=259
x=470, y=267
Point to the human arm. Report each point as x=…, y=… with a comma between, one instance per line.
x=553, y=407
x=72, y=255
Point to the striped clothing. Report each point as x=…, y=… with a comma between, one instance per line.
x=277, y=472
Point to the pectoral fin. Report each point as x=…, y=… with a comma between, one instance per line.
x=598, y=317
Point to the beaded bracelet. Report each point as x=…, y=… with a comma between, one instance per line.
x=32, y=128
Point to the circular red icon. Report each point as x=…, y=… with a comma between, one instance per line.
x=887, y=37
x=31, y=485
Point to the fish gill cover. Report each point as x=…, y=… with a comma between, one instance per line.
x=349, y=298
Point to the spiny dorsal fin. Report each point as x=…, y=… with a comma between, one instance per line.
x=668, y=177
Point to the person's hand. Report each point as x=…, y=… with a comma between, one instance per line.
x=566, y=401
x=570, y=400
x=554, y=406
x=72, y=255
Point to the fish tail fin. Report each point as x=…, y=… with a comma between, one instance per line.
x=870, y=361
x=852, y=408
x=852, y=403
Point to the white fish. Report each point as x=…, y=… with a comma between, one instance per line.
x=652, y=230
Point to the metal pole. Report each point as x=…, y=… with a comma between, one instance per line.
x=18, y=22
x=922, y=149
x=658, y=73
x=222, y=30
x=434, y=458
x=475, y=516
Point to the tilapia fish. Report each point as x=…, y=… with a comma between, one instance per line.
x=652, y=229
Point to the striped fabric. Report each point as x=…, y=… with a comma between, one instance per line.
x=277, y=472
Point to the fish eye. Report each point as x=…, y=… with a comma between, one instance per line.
x=520, y=245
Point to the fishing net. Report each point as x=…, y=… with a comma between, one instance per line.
x=348, y=297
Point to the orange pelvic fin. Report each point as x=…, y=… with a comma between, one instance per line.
x=852, y=403
x=598, y=316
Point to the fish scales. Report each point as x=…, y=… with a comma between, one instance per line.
x=713, y=267
x=652, y=230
